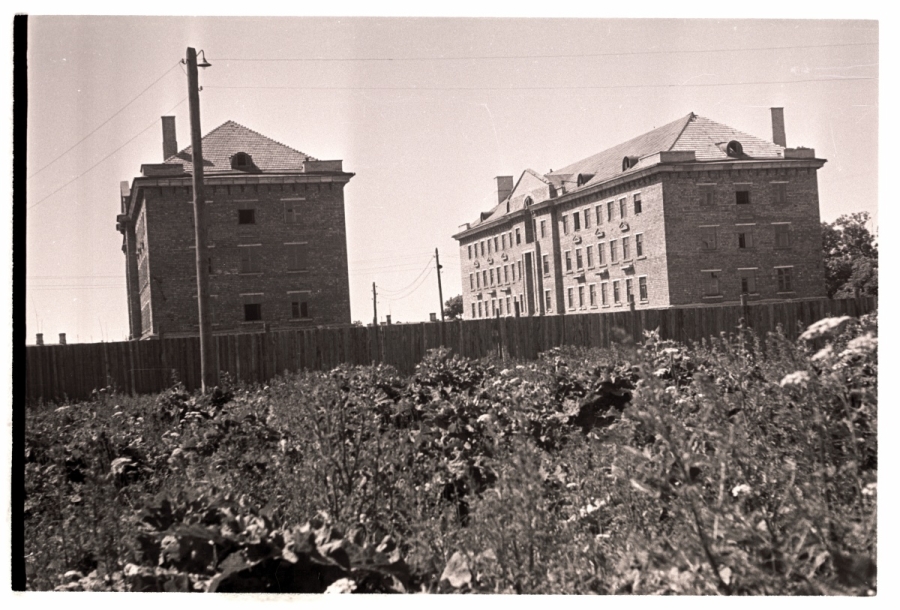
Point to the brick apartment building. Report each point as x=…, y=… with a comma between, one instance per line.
x=691, y=213
x=276, y=237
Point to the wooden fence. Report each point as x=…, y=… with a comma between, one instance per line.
x=72, y=372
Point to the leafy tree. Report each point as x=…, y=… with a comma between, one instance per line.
x=851, y=257
x=453, y=308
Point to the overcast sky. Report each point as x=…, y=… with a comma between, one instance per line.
x=425, y=112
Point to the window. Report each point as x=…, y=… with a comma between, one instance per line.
x=545, y=260
x=711, y=283
x=599, y=211
x=484, y=278
x=518, y=237
x=496, y=244
x=241, y=160
x=568, y=261
x=503, y=241
x=637, y=204
x=639, y=245
x=470, y=250
x=489, y=245
x=506, y=274
x=297, y=255
x=479, y=309
x=576, y=221
x=616, y=297
x=779, y=192
x=613, y=253
x=707, y=238
x=473, y=310
x=571, y=294
x=782, y=235
x=587, y=218
x=785, y=281
x=548, y=302
x=500, y=306
x=592, y=294
x=543, y=228
x=581, y=296
x=589, y=254
x=745, y=238
x=609, y=211
x=642, y=288
x=622, y=207
x=603, y=300
x=600, y=254
x=629, y=290
x=748, y=281
x=508, y=306
x=471, y=281
x=250, y=262
x=626, y=248
x=299, y=309
x=565, y=223
x=247, y=217
x=579, y=262
x=252, y=312
x=292, y=212
x=707, y=195
x=512, y=268
x=520, y=270
x=742, y=197
x=491, y=275
x=482, y=247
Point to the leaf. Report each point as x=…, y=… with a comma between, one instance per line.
x=457, y=571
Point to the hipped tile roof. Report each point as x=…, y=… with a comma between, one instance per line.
x=224, y=141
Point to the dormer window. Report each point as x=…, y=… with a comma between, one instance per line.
x=241, y=160
x=528, y=201
x=628, y=162
x=734, y=149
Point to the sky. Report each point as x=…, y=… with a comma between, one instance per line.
x=425, y=112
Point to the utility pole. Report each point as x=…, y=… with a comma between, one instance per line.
x=374, y=305
x=437, y=262
x=200, y=229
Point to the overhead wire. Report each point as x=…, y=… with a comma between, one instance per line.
x=427, y=266
x=396, y=298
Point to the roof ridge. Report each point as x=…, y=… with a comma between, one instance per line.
x=690, y=117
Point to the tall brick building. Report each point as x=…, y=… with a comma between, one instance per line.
x=691, y=213
x=277, y=237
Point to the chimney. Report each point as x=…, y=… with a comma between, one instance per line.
x=40, y=339
x=62, y=338
x=170, y=146
x=504, y=187
x=778, y=127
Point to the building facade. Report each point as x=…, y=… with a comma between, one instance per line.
x=277, y=248
x=691, y=213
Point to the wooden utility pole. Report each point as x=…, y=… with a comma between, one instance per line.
x=374, y=305
x=437, y=262
x=207, y=375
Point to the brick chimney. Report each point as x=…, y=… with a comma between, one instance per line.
x=778, y=127
x=62, y=338
x=170, y=146
x=504, y=187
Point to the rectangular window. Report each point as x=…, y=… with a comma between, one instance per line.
x=639, y=245
x=707, y=195
x=545, y=260
x=470, y=250
x=609, y=210
x=601, y=253
x=479, y=309
x=613, y=253
x=491, y=275
x=629, y=290
x=247, y=217
x=571, y=294
x=500, y=306
x=471, y=281
x=587, y=218
x=565, y=223
x=616, y=296
x=503, y=241
x=568, y=261
x=576, y=221
x=599, y=215
x=506, y=274
x=543, y=228
x=496, y=244
x=745, y=238
x=622, y=207
x=509, y=310
x=291, y=212
x=637, y=204
x=592, y=294
x=589, y=254
x=297, y=257
x=742, y=197
x=489, y=245
x=252, y=312
x=477, y=280
x=642, y=288
x=782, y=235
x=603, y=299
x=520, y=270
x=518, y=236
x=482, y=247
x=579, y=262
x=473, y=310
x=779, y=192
x=484, y=277
x=748, y=281
x=626, y=248
x=581, y=296
x=707, y=238
x=785, y=279
x=711, y=283
x=250, y=262
x=299, y=309
x=548, y=302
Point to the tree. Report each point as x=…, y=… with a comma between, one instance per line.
x=453, y=308
x=851, y=257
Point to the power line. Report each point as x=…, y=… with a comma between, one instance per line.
x=550, y=88
x=560, y=56
x=427, y=265
x=411, y=292
x=34, y=205
x=104, y=122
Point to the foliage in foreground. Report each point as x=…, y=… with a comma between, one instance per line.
x=735, y=466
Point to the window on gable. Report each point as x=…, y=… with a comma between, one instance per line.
x=247, y=217
x=241, y=160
